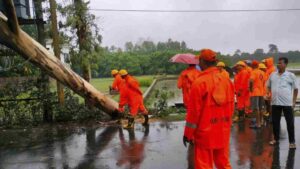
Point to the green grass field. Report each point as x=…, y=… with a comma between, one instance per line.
x=102, y=84
x=294, y=65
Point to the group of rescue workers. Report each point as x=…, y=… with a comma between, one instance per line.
x=249, y=83
x=209, y=97
x=131, y=95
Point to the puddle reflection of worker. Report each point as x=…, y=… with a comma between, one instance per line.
x=243, y=137
x=132, y=151
x=290, y=161
x=261, y=156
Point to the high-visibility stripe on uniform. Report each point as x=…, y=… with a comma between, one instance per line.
x=190, y=125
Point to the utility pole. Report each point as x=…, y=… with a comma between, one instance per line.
x=55, y=37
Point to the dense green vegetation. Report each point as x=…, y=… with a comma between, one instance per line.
x=143, y=58
x=23, y=105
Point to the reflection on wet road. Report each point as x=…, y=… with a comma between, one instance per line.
x=156, y=147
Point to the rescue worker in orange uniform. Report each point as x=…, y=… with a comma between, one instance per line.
x=118, y=81
x=209, y=112
x=269, y=62
x=248, y=66
x=263, y=68
x=133, y=97
x=185, y=80
x=241, y=84
x=249, y=69
x=221, y=66
x=257, y=85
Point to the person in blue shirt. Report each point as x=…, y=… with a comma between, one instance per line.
x=284, y=88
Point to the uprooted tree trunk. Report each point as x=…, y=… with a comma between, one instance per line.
x=13, y=37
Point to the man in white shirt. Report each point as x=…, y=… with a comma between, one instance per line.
x=284, y=88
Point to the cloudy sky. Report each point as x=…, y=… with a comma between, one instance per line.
x=223, y=32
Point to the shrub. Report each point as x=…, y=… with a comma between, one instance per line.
x=29, y=110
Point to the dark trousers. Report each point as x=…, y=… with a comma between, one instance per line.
x=289, y=117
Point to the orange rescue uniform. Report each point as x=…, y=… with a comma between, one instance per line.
x=225, y=73
x=270, y=67
x=241, y=84
x=249, y=69
x=118, y=83
x=208, y=120
x=258, y=78
x=132, y=96
x=185, y=80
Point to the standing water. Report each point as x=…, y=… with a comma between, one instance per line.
x=159, y=146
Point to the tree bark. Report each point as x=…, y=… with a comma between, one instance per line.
x=13, y=37
x=55, y=37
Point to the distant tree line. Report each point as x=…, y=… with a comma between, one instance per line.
x=148, y=58
x=259, y=54
x=143, y=58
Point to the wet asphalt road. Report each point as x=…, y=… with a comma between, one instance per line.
x=156, y=147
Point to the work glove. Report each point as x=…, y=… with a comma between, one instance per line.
x=186, y=140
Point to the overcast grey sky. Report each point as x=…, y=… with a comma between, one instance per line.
x=223, y=32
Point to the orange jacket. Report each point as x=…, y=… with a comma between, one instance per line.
x=241, y=81
x=258, y=82
x=210, y=110
x=270, y=67
x=265, y=83
x=225, y=73
x=118, y=82
x=185, y=80
x=249, y=69
x=132, y=93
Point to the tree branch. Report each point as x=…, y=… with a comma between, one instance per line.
x=11, y=14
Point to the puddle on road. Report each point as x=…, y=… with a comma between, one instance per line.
x=159, y=146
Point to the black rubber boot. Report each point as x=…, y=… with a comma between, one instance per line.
x=130, y=124
x=241, y=115
x=146, y=122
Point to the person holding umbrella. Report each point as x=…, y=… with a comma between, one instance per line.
x=185, y=81
x=187, y=76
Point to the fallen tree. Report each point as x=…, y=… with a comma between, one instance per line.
x=12, y=36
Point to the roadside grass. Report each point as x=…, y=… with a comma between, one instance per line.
x=174, y=117
x=294, y=65
x=102, y=84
